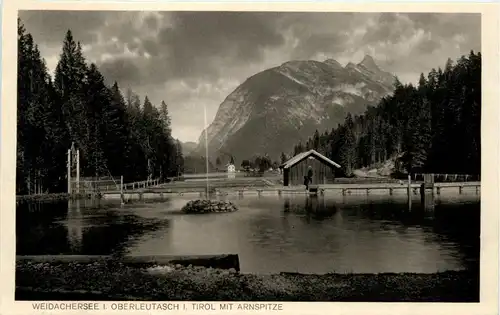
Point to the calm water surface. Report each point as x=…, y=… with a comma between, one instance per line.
x=270, y=233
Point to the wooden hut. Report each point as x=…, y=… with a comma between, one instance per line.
x=297, y=167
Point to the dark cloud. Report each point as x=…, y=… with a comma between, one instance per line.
x=389, y=27
x=197, y=44
x=151, y=23
x=427, y=46
x=50, y=27
x=328, y=43
x=121, y=70
x=191, y=59
x=195, y=40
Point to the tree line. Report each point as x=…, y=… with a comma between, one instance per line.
x=115, y=135
x=433, y=127
x=259, y=163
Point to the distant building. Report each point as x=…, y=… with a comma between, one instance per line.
x=297, y=167
x=231, y=170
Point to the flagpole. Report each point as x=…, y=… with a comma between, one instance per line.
x=206, y=145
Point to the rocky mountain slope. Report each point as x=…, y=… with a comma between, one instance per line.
x=272, y=110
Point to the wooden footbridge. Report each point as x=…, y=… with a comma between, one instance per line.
x=391, y=188
x=143, y=190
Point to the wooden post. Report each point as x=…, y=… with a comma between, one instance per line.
x=69, y=171
x=121, y=186
x=409, y=191
x=77, y=171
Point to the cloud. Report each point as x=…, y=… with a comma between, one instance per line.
x=195, y=59
x=49, y=27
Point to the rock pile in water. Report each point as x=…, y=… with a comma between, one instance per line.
x=208, y=206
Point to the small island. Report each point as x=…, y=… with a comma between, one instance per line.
x=208, y=206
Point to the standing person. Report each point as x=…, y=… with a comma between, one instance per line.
x=310, y=174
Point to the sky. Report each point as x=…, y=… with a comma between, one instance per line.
x=193, y=60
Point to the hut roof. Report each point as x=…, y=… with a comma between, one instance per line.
x=301, y=156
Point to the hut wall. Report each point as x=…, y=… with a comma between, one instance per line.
x=286, y=177
x=322, y=173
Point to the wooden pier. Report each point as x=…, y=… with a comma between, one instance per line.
x=343, y=189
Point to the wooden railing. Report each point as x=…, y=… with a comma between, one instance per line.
x=114, y=186
x=141, y=184
x=447, y=177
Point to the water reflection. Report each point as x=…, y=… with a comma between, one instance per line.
x=79, y=227
x=313, y=208
x=299, y=233
x=74, y=225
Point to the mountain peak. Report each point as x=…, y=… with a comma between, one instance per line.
x=369, y=63
x=350, y=65
x=333, y=62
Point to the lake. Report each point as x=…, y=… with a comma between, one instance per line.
x=296, y=233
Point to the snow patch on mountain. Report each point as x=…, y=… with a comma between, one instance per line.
x=356, y=89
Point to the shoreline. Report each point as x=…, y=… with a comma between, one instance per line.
x=105, y=281
x=388, y=189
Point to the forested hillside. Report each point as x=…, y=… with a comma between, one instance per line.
x=433, y=127
x=115, y=135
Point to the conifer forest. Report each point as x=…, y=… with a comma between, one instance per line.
x=116, y=134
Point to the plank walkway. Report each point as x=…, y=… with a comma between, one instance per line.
x=367, y=188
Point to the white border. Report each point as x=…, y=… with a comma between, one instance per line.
x=489, y=144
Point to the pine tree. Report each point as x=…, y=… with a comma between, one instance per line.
x=39, y=130
x=69, y=82
x=316, y=140
x=116, y=134
x=96, y=105
x=283, y=158
x=349, y=148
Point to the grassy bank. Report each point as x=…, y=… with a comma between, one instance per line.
x=115, y=281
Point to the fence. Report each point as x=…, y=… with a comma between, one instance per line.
x=141, y=184
x=440, y=178
x=87, y=185
x=92, y=185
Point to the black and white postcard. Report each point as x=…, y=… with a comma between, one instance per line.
x=222, y=158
